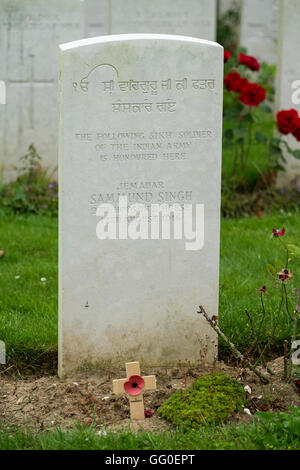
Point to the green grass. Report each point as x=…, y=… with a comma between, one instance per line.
x=258, y=158
x=28, y=307
x=277, y=432
x=246, y=250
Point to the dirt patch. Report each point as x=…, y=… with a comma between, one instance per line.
x=49, y=402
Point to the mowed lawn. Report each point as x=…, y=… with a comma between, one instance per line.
x=28, y=304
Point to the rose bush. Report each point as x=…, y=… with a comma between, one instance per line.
x=248, y=99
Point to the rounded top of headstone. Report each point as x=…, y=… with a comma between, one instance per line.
x=135, y=37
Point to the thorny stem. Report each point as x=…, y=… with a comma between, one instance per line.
x=275, y=324
x=287, y=302
x=232, y=346
x=250, y=137
x=287, y=253
x=284, y=286
x=243, y=158
x=235, y=161
x=256, y=342
x=264, y=313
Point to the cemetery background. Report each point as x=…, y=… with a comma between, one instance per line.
x=29, y=280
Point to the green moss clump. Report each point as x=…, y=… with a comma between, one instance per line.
x=210, y=400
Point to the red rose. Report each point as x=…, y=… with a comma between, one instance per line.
x=252, y=94
x=249, y=62
x=296, y=132
x=287, y=121
x=243, y=83
x=227, y=56
x=234, y=82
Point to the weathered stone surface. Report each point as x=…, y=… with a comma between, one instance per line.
x=195, y=18
x=259, y=29
x=140, y=116
x=97, y=18
x=30, y=32
x=226, y=5
x=288, y=82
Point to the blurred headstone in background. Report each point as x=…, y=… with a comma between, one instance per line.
x=30, y=32
x=288, y=79
x=96, y=18
x=259, y=29
x=196, y=18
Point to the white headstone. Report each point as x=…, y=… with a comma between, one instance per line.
x=195, y=18
x=140, y=117
x=30, y=32
x=288, y=83
x=259, y=29
x=96, y=18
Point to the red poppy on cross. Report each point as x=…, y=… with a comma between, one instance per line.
x=134, y=385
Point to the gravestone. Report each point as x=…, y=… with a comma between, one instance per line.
x=259, y=29
x=195, y=18
x=30, y=32
x=288, y=79
x=141, y=120
x=96, y=18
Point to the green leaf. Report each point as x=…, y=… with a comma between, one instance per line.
x=240, y=132
x=228, y=134
x=227, y=144
x=265, y=417
x=296, y=426
x=260, y=138
x=265, y=108
x=296, y=154
x=275, y=141
x=248, y=117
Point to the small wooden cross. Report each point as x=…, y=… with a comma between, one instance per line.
x=134, y=385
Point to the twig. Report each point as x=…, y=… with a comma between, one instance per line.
x=5, y=370
x=233, y=348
